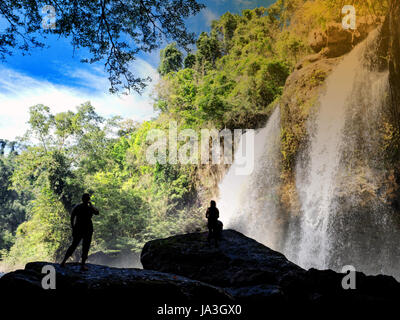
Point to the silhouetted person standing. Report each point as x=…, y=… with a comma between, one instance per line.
x=82, y=229
x=212, y=215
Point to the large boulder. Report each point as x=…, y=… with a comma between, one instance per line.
x=238, y=261
x=248, y=270
x=253, y=273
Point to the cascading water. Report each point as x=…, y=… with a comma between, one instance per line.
x=337, y=224
x=316, y=181
x=245, y=199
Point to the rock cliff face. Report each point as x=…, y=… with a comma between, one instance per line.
x=336, y=41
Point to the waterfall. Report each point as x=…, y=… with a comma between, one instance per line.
x=338, y=178
x=316, y=174
x=249, y=203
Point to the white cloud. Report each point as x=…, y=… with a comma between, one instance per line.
x=209, y=16
x=18, y=92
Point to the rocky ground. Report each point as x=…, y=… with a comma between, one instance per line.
x=186, y=270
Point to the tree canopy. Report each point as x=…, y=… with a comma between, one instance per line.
x=113, y=31
x=170, y=59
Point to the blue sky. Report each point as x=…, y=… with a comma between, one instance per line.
x=55, y=77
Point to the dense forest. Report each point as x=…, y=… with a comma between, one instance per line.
x=232, y=79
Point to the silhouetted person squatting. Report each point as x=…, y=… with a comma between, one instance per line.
x=212, y=215
x=82, y=229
